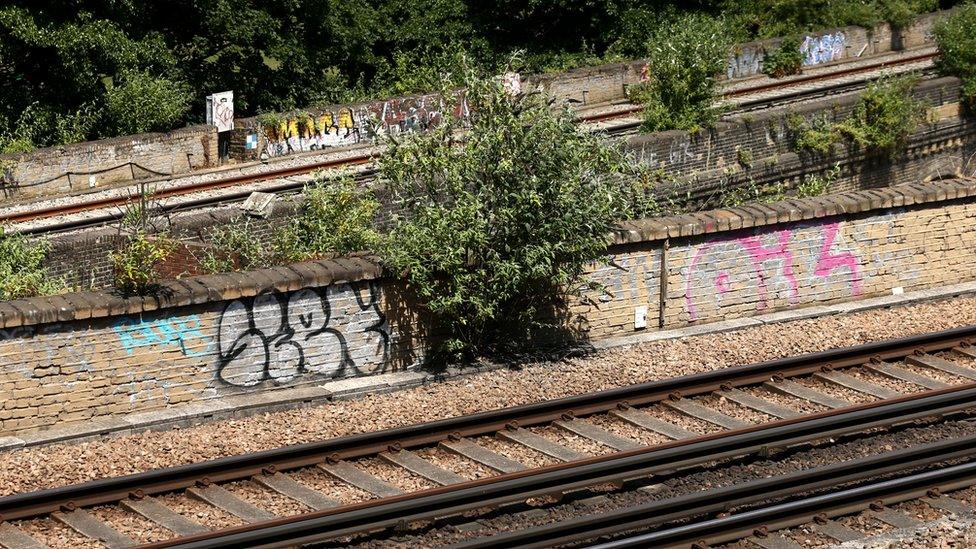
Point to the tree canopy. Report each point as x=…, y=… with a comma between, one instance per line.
x=82, y=69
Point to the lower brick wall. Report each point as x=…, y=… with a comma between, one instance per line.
x=84, y=355
x=71, y=371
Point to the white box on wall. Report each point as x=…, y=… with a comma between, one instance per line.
x=640, y=317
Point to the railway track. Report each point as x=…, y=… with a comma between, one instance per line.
x=812, y=496
x=616, y=121
x=635, y=431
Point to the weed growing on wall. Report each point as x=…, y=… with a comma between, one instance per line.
x=683, y=60
x=496, y=223
x=336, y=218
x=885, y=116
x=815, y=135
x=143, y=247
x=235, y=247
x=785, y=60
x=22, y=273
x=816, y=185
x=134, y=262
x=881, y=121
x=956, y=37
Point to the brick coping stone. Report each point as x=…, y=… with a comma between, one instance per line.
x=310, y=274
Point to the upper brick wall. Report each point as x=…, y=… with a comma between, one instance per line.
x=82, y=166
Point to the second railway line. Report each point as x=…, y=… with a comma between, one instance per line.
x=894, y=382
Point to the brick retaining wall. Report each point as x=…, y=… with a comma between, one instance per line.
x=77, y=356
x=71, y=168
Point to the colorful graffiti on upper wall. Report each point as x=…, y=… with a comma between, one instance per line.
x=823, y=49
x=352, y=125
x=747, y=59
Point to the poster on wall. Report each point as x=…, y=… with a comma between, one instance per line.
x=220, y=111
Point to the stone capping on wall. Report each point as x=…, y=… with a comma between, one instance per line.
x=189, y=291
x=229, y=286
x=83, y=148
x=796, y=209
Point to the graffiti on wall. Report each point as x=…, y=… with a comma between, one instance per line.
x=335, y=332
x=747, y=61
x=352, y=125
x=823, y=49
x=180, y=333
x=627, y=277
x=770, y=265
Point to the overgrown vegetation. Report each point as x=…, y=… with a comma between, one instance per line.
x=235, y=247
x=956, y=37
x=22, y=271
x=493, y=224
x=93, y=68
x=881, y=121
x=143, y=248
x=785, y=60
x=886, y=114
x=683, y=61
x=337, y=218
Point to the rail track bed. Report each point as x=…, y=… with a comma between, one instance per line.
x=103, y=207
x=369, y=481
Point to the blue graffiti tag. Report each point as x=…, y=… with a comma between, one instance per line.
x=134, y=334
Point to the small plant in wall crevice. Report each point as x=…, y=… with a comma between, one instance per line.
x=143, y=247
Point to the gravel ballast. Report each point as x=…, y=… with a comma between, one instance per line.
x=58, y=465
x=704, y=480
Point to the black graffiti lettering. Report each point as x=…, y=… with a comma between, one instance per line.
x=333, y=332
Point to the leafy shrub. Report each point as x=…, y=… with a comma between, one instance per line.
x=143, y=103
x=886, y=114
x=683, y=60
x=273, y=125
x=786, y=60
x=235, y=247
x=956, y=37
x=881, y=121
x=134, y=263
x=816, y=135
x=336, y=218
x=495, y=223
x=22, y=273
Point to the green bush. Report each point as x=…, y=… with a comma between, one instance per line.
x=22, y=273
x=956, y=37
x=886, y=114
x=134, y=263
x=786, y=60
x=142, y=103
x=336, y=218
x=816, y=135
x=495, y=224
x=235, y=247
x=881, y=121
x=683, y=60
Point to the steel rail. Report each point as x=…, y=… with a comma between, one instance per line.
x=808, y=510
x=233, y=468
x=558, y=479
x=25, y=216
x=718, y=500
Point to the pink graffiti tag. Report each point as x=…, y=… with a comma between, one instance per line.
x=827, y=261
x=758, y=254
